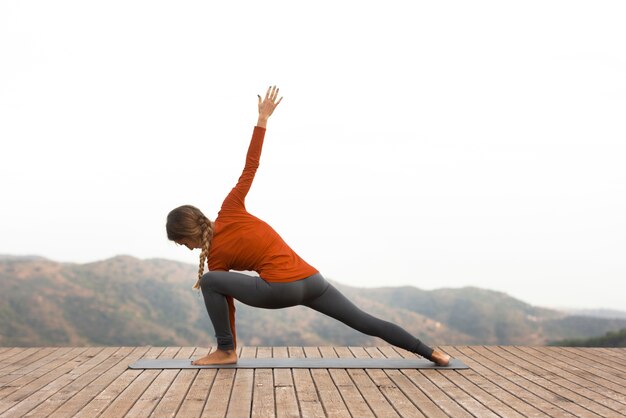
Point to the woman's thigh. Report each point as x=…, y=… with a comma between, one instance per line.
x=257, y=292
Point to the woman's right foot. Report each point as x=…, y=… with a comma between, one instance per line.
x=440, y=359
x=217, y=357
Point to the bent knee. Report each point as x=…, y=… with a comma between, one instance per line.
x=207, y=281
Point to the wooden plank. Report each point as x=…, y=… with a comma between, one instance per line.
x=557, y=377
x=25, y=363
x=172, y=399
x=220, y=394
x=598, y=370
x=434, y=393
x=505, y=381
x=438, y=378
x=604, y=362
x=561, y=396
x=462, y=379
x=306, y=391
x=125, y=401
x=518, y=385
x=616, y=355
x=21, y=359
x=156, y=390
x=47, y=372
x=599, y=403
x=492, y=383
x=49, y=384
x=284, y=390
x=11, y=351
x=7, y=357
x=349, y=391
x=74, y=381
x=8, y=352
x=46, y=385
x=202, y=384
x=120, y=361
x=572, y=372
x=331, y=398
x=397, y=385
x=263, y=402
x=600, y=363
x=120, y=388
x=375, y=399
x=590, y=365
x=240, y=404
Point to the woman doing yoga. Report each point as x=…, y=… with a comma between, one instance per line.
x=237, y=240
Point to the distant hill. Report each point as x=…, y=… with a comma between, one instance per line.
x=596, y=313
x=133, y=302
x=610, y=339
x=489, y=317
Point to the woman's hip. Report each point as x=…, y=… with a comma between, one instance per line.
x=256, y=291
x=296, y=292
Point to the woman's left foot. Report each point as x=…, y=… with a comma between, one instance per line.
x=217, y=357
x=440, y=359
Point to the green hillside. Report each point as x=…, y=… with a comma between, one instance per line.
x=127, y=301
x=610, y=339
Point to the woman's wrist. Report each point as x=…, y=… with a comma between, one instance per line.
x=262, y=122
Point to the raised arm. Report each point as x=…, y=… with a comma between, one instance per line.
x=236, y=198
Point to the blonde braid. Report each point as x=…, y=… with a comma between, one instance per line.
x=206, y=226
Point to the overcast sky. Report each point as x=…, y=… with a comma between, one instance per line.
x=432, y=144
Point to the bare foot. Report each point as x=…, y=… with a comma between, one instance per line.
x=440, y=359
x=217, y=357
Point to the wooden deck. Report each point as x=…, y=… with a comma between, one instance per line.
x=503, y=381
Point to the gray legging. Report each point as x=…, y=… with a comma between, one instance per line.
x=313, y=291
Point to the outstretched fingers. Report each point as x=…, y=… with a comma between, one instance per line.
x=272, y=93
x=267, y=106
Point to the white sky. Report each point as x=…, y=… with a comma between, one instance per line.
x=433, y=144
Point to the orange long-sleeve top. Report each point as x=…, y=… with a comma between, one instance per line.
x=242, y=241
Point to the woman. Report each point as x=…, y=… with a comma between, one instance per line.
x=237, y=240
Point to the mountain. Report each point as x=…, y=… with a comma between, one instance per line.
x=133, y=302
x=596, y=313
x=491, y=317
x=610, y=339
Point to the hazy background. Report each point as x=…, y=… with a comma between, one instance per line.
x=431, y=144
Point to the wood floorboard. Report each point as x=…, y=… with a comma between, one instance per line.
x=502, y=381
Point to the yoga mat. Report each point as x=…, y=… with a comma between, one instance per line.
x=301, y=363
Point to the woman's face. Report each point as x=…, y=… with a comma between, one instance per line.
x=189, y=243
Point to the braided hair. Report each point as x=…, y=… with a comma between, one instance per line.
x=189, y=222
x=207, y=233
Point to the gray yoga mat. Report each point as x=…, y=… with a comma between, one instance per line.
x=302, y=363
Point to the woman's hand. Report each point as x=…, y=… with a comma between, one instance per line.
x=267, y=106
